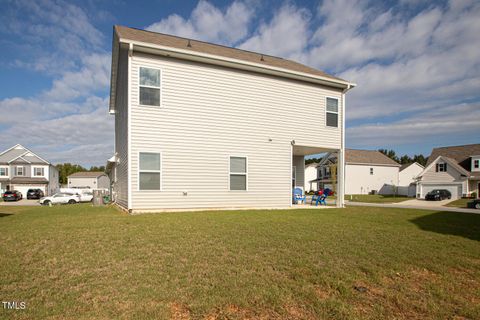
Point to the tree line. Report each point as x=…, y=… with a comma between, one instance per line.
x=66, y=169
x=405, y=159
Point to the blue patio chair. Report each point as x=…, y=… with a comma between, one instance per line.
x=298, y=196
x=321, y=198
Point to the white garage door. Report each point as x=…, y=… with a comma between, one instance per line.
x=455, y=189
x=24, y=188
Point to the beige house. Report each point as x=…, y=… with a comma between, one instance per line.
x=89, y=180
x=366, y=171
x=200, y=126
x=455, y=168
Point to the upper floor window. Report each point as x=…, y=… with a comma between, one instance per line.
x=3, y=172
x=332, y=112
x=19, y=171
x=476, y=164
x=150, y=171
x=238, y=173
x=149, y=87
x=371, y=171
x=38, y=172
x=441, y=167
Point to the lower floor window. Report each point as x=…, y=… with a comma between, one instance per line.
x=238, y=173
x=149, y=171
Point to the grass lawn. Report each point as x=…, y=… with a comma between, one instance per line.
x=97, y=262
x=460, y=203
x=376, y=198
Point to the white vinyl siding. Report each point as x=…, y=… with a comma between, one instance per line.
x=238, y=173
x=209, y=113
x=332, y=112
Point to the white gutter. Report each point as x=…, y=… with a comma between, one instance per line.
x=235, y=63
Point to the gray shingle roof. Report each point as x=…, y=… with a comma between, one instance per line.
x=368, y=157
x=460, y=154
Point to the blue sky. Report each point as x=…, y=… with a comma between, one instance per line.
x=416, y=63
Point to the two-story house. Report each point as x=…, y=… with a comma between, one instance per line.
x=456, y=169
x=21, y=169
x=199, y=125
x=366, y=171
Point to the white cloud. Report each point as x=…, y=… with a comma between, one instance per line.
x=66, y=118
x=209, y=23
x=285, y=35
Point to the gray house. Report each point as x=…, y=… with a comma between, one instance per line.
x=89, y=180
x=21, y=169
x=202, y=126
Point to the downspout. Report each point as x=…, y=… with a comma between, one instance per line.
x=341, y=193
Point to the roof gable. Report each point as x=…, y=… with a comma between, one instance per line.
x=451, y=162
x=459, y=154
x=18, y=151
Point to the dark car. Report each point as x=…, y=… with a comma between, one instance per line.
x=438, y=194
x=475, y=204
x=12, y=195
x=34, y=194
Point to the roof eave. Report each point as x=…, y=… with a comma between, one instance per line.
x=235, y=63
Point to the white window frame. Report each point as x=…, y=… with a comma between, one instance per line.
x=337, y=113
x=6, y=171
x=23, y=171
x=441, y=167
x=151, y=171
x=35, y=173
x=238, y=173
x=152, y=87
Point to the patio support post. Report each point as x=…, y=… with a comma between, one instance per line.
x=341, y=178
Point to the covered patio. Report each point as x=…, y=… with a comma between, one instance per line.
x=299, y=153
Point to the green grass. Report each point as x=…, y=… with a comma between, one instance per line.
x=460, y=203
x=97, y=262
x=376, y=198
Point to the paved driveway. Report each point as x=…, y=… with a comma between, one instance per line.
x=424, y=203
x=23, y=202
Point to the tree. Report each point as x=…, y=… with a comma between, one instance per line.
x=405, y=159
x=420, y=159
x=66, y=169
x=95, y=168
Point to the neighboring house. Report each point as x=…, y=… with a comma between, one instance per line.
x=89, y=180
x=311, y=176
x=366, y=171
x=456, y=169
x=407, y=179
x=21, y=169
x=199, y=125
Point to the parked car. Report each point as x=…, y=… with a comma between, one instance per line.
x=34, y=194
x=438, y=194
x=85, y=196
x=60, y=198
x=14, y=195
x=475, y=204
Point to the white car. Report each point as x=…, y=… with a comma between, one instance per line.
x=60, y=198
x=85, y=196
